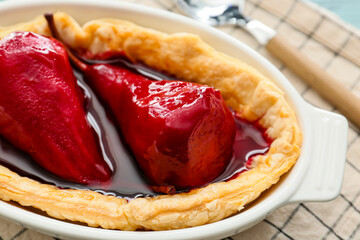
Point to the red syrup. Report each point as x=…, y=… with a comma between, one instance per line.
x=128, y=180
x=250, y=141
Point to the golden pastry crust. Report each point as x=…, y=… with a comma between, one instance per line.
x=187, y=57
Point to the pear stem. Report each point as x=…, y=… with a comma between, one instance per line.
x=74, y=60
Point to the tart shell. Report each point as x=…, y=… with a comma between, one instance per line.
x=253, y=96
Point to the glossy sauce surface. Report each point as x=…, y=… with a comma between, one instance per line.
x=128, y=181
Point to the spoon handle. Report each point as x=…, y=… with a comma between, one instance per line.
x=327, y=86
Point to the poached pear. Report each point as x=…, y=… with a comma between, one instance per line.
x=41, y=109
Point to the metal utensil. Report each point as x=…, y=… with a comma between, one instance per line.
x=217, y=13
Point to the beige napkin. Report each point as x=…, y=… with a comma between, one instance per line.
x=335, y=46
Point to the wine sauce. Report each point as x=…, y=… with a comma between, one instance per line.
x=128, y=181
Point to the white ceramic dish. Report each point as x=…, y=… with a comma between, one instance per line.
x=317, y=175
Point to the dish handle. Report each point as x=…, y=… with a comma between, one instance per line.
x=323, y=179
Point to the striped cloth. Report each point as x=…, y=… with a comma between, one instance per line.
x=334, y=45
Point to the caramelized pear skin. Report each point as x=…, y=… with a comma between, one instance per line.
x=41, y=109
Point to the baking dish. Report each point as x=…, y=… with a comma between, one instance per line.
x=317, y=176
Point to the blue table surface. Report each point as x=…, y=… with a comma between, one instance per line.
x=348, y=10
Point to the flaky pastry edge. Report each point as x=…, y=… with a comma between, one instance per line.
x=187, y=57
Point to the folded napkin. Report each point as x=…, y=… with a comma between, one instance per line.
x=335, y=46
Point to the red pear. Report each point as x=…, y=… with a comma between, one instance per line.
x=180, y=133
x=41, y=109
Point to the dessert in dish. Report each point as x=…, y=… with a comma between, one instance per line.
x=258, y=104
